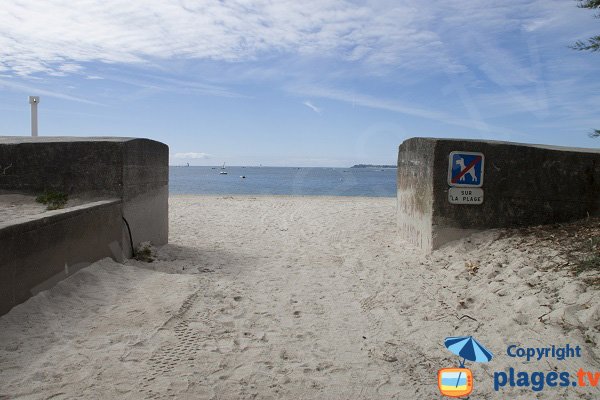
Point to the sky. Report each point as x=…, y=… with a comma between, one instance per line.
x=299, y=83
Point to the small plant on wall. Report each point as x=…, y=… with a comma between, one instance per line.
x=53, y=199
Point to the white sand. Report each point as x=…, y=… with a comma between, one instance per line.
x=294, y=298
x=18, y=208
x=14, y=206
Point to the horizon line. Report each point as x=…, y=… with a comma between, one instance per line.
x=390, y=166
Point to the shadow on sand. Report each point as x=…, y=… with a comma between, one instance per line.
x=178, y=259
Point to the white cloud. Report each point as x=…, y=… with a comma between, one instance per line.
x=54, y=37
x=396, y=106
x=192, y=155
x=405, y=40
x=10, y=84
x=312, y=107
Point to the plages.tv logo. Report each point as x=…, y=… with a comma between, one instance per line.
x=458, y=382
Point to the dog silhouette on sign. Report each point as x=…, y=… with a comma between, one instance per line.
x=471, y=171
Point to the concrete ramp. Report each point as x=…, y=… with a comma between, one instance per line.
x=450, y=188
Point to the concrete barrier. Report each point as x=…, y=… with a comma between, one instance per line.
x=522, y=185
x=134, y=170
x=38, y=252
x=121, y=178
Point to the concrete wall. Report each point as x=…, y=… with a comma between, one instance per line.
x=133, y=173
x=145, y=190
x=135, y=170
x=523, y=185
x=37, y=253
x=415, y=192
x=78, y=166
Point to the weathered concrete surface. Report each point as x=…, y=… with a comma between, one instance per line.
x=135, y=170
x=82, y=166
x=523, y=185
x=415, y=192
x=145, y=191
x=36, y=253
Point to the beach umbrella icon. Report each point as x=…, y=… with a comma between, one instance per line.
x=468, y=348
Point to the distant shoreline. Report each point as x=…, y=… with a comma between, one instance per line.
x=373, y=166
x=294, y=167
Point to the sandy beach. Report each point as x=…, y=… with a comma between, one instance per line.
x=298, y=298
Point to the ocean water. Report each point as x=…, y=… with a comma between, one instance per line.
x=292, y=181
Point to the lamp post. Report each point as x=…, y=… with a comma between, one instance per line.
x=34, y=100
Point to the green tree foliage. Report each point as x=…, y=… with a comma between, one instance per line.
x=592, y=44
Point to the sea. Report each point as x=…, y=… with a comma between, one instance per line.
x=293, y=181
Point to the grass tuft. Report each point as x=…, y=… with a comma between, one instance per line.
x=145, y=252
x=591, y=264
x=52, y=199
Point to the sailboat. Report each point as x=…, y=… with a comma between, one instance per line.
x=223, y=172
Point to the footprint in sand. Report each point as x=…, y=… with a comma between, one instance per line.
x=465, y=303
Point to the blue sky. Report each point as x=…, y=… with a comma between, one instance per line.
x=299, y=83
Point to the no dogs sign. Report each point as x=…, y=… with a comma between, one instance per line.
x=465, y=170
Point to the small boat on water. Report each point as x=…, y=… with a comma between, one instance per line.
x=223, y=171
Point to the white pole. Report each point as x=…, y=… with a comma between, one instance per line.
x=34, y=100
